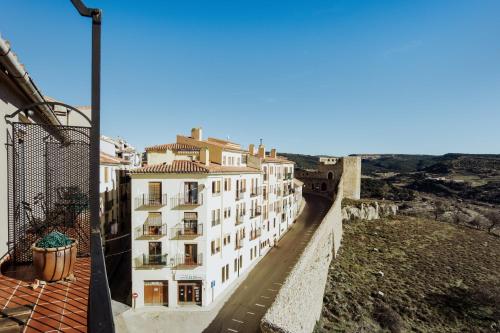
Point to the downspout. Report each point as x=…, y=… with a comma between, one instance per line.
x=9, y=60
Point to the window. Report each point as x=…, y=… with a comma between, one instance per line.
x=227, y=212
x=235, y=265
x=241, y=261
x=223, y=274
x=215, y=246
x=106, y=174
x=215, y=217
x=227, y=184
x=216, y=187
x=227, y=271
x=224, y=161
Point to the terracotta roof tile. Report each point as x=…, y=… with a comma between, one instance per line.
x=182, y=166
x=108, y=159
x=173, y=146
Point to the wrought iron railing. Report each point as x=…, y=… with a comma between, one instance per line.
x=150, y=201
x=186, y=262
x=181, y=199
x=240, y=219
x=150, y=232
x=255, y=233
x=186, y=231
x=239, y=244
x=257, y=211
x=256, y=191
x=151, y=260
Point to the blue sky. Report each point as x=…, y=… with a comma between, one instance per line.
x=318, y=77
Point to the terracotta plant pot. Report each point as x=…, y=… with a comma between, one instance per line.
x=54, y=264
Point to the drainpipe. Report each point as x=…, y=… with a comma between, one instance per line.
x=9, y=60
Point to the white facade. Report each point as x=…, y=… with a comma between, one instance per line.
x=211, y=220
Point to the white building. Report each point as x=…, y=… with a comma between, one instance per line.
x=203, y=211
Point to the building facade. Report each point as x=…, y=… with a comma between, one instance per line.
x=203, y=212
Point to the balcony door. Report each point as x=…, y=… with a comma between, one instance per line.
x=154, y=193
x=190, y=254
x=154, y=252
x=191, y=192
x=191, y=223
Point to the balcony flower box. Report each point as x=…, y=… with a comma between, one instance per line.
x=54, y=263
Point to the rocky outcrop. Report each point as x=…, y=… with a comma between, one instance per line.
x=368, y=211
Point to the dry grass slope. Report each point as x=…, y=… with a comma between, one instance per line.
x=409, y=274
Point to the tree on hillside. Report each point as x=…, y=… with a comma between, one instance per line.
x=439, y=209
x=494, y=217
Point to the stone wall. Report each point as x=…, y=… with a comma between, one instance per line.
x=352, y=177
x=298, y=305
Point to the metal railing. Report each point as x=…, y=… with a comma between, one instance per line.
x=186, y=231
x=186, y=262
x=150, y=200
x=150, y=232
x=186, y=200
x=255, y=233
x=257, y=211
x=240, y=219
x=239, y=244
x=151, y=261
x=256, y=191
x=240, y=195
x=216, y=221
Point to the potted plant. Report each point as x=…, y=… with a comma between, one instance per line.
x=54, y=257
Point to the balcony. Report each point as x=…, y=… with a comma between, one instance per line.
x=287, y=176
x=186, y=261
x=216, y=221
x=151, y=261
x=256, y=191
x=152, y=229
x=183, y=201
x=257, y=211
x=240, y=195
x=239, y=244
x=150, y=201
x=186, y=231
x=254, y=234
x=240, y=219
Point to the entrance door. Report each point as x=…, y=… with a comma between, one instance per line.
x=156, y=293
x=190, y=254
x=189, y=292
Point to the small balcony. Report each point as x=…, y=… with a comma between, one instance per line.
x=256, y=192
x=152, y=229
x=183, y=201
x=240, y=219
x=287, y=176
x=239, y=244
x=151, y=261
x=186, y=231
x=240, y=195
x=186, y=261
x=216, y=221
x=150, y=201
x=257, y=211
x=254, y=234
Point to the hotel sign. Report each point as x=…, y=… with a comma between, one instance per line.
x=188, y=276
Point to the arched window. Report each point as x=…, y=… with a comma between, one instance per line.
x=330, y=175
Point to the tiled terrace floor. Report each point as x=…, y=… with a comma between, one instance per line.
x=57, y=307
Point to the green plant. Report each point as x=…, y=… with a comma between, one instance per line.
x=54, y=239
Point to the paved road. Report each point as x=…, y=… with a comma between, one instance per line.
x=250, y=301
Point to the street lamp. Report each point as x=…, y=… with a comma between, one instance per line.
x=99, y=316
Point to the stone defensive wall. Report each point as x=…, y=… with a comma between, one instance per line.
x=298, y=305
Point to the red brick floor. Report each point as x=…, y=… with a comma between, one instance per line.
x=57, y=307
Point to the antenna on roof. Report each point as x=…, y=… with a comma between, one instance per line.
x=261, y=141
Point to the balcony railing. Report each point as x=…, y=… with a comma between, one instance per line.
x=256, y=191
x=287, y=176
x=151, y=229
x=255, y=233
x=150, y=261
x=240, y=195
x=255, y=212
x=240, y=219
x=186, y=231
x=182, y=200
x=216, y=221
x=239, y=244
x=148, y=201
x=186, y=262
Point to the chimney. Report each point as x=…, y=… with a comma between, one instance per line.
x=196, y=133
x=262, y=151
x=273, y=153
x=205, y=156
x=251, y=149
